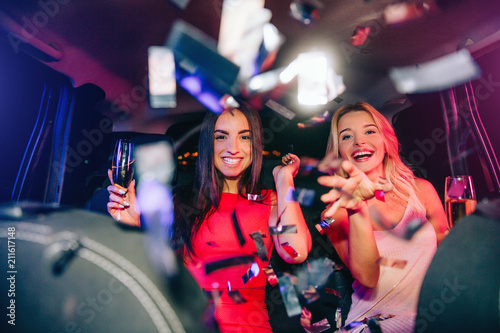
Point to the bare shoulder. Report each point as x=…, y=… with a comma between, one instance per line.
x=428, y=195
x=424, y=185
x=425, y=190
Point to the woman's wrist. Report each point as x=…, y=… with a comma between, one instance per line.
x=359, y=208
x=284, y=179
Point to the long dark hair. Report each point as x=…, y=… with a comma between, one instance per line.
x=200, y=199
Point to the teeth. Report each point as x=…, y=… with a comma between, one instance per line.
x=362, y=154
x=231, y=160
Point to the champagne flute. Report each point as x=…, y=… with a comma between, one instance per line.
x=123, y=163
x=460, y=198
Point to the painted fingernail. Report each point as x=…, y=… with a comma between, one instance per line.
x=380, y=195
x=121, y=206
x=126, y=203
x=121, y=191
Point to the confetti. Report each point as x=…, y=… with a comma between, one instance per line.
x=290, y=195
x=378, y=317
x=280, y=109
x=213, y=294
x=62, y=253
x=236, y=297
x=374, y=326
x=314, y=121
x=252, y=272
x=271, y=275
x=305, y=12
x=389, y=262
x=255, y=197
x=333, y=291
x=318, y=327
x=219, y=264
x=237, y=229
x=352, y=325
x=338, y=267
x=315, y=273
x=208, y=316
x=289, y=295
x=228, y=102
x=406, y=233
x=325, y=223
x=338, y=318
x=307, y=165
x=304, y=196
x=263, y=235
x=380, y=219
x=290, y=250
x=360, y=35
x=310, y=294
x=319, y=228
x=456, y=188
x=283, y=229
x=438, y=74
x=403, y=12
x=259, y=244
x=412, y=228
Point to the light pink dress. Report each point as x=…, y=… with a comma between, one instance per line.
x=398, y=289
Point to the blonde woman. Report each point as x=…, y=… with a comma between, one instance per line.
x=388, y=270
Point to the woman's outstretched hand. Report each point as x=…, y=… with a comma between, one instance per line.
x=122, y=206
x=350, y=193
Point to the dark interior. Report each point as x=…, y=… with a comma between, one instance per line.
x=73, y=80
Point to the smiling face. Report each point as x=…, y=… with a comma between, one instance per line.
x=361, y=142
x=232, y=147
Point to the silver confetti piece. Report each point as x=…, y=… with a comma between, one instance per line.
x=259, y=244
x=390, y=262
x=283, y=229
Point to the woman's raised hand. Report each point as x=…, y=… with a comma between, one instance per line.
x=291, y=164
x=122, y=206
x=350, y=193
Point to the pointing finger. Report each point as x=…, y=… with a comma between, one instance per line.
x=332, y=181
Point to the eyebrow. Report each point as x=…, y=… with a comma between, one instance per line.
x=365, y=126
x=240, y=132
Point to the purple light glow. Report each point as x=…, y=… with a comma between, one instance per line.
x=210, y=101
x=192, y=84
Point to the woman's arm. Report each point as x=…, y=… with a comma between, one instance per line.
x=434, y=209
x=352, y=232
x=290, y=213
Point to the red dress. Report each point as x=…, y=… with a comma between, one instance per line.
x=217, y=240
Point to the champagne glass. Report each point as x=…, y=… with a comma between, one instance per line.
x=460, y=198
x=123, y=163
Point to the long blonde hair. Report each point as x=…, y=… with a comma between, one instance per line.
x=396, y=172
